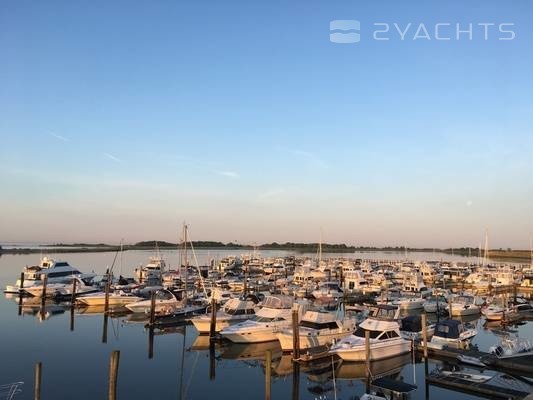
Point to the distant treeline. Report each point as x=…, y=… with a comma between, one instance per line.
x=501, y=254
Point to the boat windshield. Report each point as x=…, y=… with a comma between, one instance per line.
x=265, y=319
x=319, y=325
x=240, y=311
x=360, y=332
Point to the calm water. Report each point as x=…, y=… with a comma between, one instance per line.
x=75, y=363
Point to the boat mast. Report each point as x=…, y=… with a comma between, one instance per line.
x=486, y=252
x=185, y=259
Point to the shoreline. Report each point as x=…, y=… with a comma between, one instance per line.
x=518, y=256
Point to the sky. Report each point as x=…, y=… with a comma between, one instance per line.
x=123, y=119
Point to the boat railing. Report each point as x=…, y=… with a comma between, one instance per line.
x=10, y=390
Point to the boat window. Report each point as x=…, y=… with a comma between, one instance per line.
x=62, y=264
x=443, y=328
x=60, y=274
x=317, y=325
x=360, y=332
x=390, y=335
x=164, y=296
x=233, y=311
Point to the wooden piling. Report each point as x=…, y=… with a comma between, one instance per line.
x=268, y=373
x=212, y=361
x=113, y=375
x=152, y=309
x=295, y=334
x=73, y=299
x=367, y=356
x=44, y=278
x=104, y=328
x=106, y=298
x=151, y=342
x=21, y=286
x=450, y=301
x=37, y=384
x=295, y=381
x=213, y=325
x=425, y=334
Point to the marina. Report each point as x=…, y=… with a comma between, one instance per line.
x=157, y=342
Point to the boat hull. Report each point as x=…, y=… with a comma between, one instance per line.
x=378, y=351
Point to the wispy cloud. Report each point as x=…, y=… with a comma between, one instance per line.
x=59, y=137
x=228, y=174
x=113, y=158
x=310, y=158
x=272, y=193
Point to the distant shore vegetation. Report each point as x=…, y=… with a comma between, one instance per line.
x=502, y=254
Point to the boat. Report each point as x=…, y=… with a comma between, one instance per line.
x=463, y=305
x=316, y=329
x=115, y=299
x=56, y=271
x=513, y=347
x=234, y=311
x=411, y=328
x=475, y=378
x=452, y=333
x=435, y=304
x=410, y=303
x=153, y=271
x=328, y=290
x=60, y=289
x=471, y=360
x=275, y=314
x=385, y=338
x=166, y=302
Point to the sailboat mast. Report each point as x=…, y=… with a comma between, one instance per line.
x=186, y=260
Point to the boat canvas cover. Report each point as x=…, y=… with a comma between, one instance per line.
x=448, y=329
x=318, y=317
x=412, y=323
x=393, y=385
x=278, y=302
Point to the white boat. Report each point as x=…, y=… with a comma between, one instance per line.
x=463, y=305
x=476, y=378
x=385, y=338
x=410, y=303
x=328, y=290
x=152, y=271
x=433, y=305
x=411, y=328
x=234, y=311
x=274, y=315
x=513, y=347
x=166, y=302
x=452, y=333
x=55, y=272
x=317, y=329
x=60, y=289
x=115, y=299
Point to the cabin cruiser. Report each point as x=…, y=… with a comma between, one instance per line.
x=151, y=271
x=354, y=280
x=316, y=329
x=234, y=311
x=435, y=304
x=60, y=289
x=385, y=338
x=411, y=328
x=274, y=314
x=410, y=303
x=116, y=298
x=166, y=301
x=55, y=272
x=513, y=347
x=463, y=305
x=452, y=333
x=328, y=290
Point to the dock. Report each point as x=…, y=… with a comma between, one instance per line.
x=484, y=389
x=522, y=367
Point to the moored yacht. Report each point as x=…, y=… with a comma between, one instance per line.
x=60, y=289
x=115, y=298
x=452, y=333
x=316, y=329
x=274, y=314
x=385, y=338
x=166, y=302
x=234, y=311
x=328, y=290
x=55, y=272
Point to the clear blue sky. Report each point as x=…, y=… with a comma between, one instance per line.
x=122, y=119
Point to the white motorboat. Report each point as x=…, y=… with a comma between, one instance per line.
x=274, y=315
x=55, y=272
x=166, y=302
x=462, y=306
x=60, y=289
x=317, y=329
x=385, y=339
x=434, y=304
x=115, y=299
x=411, y=328
x=234, y=311
x=452, y=333
x=513, y=347
x=410, y=303
x=153, y=271
x=328, y=290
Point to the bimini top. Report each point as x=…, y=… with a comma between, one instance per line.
x=318, y=317
x=411, y=323
x=450, y=328
x=278, y=302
